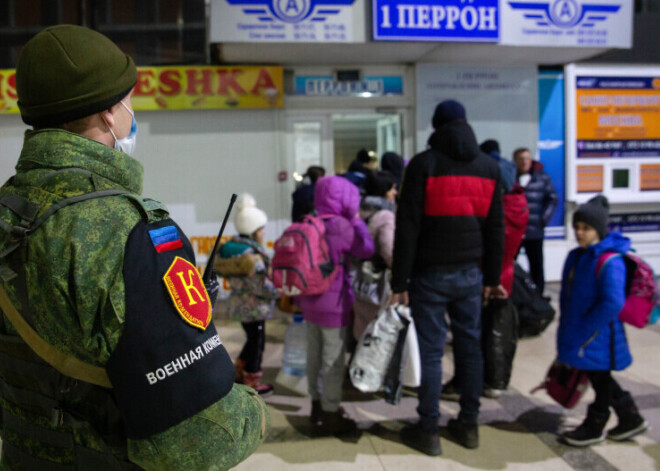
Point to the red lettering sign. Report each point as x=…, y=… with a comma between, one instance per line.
x=144, y=86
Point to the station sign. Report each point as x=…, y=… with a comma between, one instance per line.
x=371, y=86
x=304, y=21
x=561, y=23
x=430, y=20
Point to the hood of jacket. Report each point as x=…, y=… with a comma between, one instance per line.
x=456, y=140
x=613, y=242
x=336, y=196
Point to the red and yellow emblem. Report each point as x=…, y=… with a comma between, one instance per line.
x=188, y=293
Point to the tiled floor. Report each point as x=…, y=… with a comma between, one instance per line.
x=517, y=432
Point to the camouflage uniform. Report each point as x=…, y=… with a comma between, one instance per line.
x=73, y=272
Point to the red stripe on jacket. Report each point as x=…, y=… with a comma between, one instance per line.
x=457, y=195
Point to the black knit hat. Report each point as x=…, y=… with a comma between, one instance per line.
x=363, y=156
x=594, y=212
x=446, y=112
x=489, y=146
x=68, y=72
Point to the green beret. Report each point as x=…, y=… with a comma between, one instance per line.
x=67, y=72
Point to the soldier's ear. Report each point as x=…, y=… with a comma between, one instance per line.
x=108, y=117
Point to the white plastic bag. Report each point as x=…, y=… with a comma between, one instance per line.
x=374, y=351
x=411, y=365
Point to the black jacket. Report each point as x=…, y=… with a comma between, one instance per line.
x=542, y=200
x=450, y=209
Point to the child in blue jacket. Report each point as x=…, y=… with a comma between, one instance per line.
x=591, y=337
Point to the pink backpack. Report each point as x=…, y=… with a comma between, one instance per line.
x=302, y=264
x=642, y=304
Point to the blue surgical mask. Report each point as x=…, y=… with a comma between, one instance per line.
x=126, y=144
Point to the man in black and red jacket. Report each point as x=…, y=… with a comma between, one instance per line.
x=448, y=251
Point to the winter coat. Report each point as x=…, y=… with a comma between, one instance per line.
x=589, y=328
x=542, y=200
x=244, y=263
x=381, y=228
x=337, y=200
x=516, y=215
x=450, y=210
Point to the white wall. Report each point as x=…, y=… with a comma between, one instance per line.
x=11, y=141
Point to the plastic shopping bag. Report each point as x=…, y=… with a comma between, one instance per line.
x=411, y=364
x=374, y=350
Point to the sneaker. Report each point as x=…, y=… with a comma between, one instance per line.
x=493, y=393
x=426, y=442
x=264, y=389
x=466, y=435
x=450, y=392
x=624, y=431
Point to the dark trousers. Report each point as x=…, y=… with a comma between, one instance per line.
x=534, y=251
x=608, y=391
x=459, y=294
x=253, y=350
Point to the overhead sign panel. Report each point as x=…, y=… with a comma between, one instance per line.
x=322, y=85
x=305, y=21
x=560, y=23
x=430, y=20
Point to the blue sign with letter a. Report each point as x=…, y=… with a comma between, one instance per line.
x=430, y=20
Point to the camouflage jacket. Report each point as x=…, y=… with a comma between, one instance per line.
x=74, y=280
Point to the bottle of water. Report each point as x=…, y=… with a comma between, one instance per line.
x=295, y=348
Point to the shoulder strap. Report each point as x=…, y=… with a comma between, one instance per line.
x=603, y=259
x=65, y=364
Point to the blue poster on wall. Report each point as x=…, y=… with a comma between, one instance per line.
x=430, y=20
x=551, y=144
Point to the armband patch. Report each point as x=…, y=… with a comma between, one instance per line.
x=188, y=293
x=165, y=238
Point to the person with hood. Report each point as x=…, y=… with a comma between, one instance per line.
x=358, y=169
x=303, y=197
x=328, y=315
x=590, y=336
x=393, y=163
x=448, y=250
x=243, y=261
x=377, y=210
x=507, y=168
x=542, y=200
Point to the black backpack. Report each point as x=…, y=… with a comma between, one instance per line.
x=534, y=312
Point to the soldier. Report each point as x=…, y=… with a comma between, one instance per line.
x=108, y=356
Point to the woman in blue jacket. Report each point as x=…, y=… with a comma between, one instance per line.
x=591, y=337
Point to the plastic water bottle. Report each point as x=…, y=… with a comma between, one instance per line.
x=295, y=347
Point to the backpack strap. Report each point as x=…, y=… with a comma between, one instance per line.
x=603, y=259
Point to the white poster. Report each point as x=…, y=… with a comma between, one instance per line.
x=501, y=103
x=304, y=21
x=561, y=23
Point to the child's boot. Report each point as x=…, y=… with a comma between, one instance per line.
x=590, y=431
x=631, y=423
x=254, y=381
x=240, y=371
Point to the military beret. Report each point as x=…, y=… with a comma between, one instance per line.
x=67, y=72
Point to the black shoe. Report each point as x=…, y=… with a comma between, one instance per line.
x=315, y=415
x=450, y=391
x=630, y=422
x=590, y=430
x=335, y=423
x=426, y=442
x=466, y=435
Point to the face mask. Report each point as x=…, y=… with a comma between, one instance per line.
x=126, y=144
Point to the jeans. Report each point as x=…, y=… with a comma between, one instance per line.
x=459, y=294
